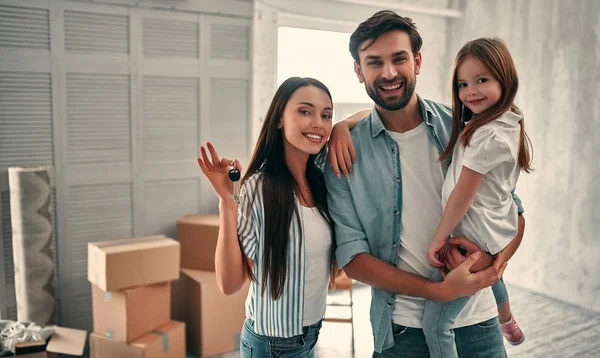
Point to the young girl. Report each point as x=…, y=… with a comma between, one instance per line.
x=280, y=237
x=489, y=148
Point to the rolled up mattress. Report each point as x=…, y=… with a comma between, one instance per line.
x=30, y=195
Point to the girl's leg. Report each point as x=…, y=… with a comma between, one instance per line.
x=501, y=295
x=504, y=313
x=438, y=319
x=510, y=329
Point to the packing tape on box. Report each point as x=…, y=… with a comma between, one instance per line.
x=165, y=339
x=107, y=296
x=96, y=274
x=110, y=333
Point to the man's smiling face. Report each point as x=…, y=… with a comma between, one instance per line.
x=389, y=70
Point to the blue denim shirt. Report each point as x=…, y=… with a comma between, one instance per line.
x=366, y=207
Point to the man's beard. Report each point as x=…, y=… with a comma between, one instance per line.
x=392, y=104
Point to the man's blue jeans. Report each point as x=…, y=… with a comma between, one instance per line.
x=483, y=340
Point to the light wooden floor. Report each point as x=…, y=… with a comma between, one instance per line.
x=552, y=328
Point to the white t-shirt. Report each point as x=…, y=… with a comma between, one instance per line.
x=491, y=221
x=422, y=180
x=318, y=246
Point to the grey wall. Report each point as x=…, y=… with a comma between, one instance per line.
x=556, y=47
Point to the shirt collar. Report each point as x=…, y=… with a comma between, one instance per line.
x=510, y=118
x=377, y=124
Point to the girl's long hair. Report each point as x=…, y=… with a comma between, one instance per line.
x=492, y=53
x=279, y=187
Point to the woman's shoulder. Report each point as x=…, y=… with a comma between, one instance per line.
x=253, y=182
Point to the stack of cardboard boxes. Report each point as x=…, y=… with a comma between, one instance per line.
x=131, y=298
x=213, y=321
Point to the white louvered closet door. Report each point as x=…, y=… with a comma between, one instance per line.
x=169, y=119
x=117, y=100
x=227, y=70
x=26, y=137
x=96, y=146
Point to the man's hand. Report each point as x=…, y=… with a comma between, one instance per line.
x=462, y=282
x=454, y=257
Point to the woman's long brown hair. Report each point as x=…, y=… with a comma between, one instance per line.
x=279, y=187
x=493, y=54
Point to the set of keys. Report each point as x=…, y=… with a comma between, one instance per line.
x=234, y=176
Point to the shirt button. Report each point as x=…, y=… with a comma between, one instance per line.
x=396, y=212
x=398, y=180
x=394, y=150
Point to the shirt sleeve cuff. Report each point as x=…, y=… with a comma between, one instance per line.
x=347, y=251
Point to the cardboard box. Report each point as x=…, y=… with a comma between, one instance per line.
x=63, y=341
x=34, y=349
x=124, y=315
x=197, y=235
x=213, y=320
x=119, y=264
x=168, y=341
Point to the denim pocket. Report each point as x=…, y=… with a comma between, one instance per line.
x=246, y=350
x=398, y=330
x=489, y=324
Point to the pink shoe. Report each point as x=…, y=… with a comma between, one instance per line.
x=512, y=332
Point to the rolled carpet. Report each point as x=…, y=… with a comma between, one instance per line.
x=30, y=194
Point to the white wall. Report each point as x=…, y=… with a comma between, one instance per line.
x=264, y=64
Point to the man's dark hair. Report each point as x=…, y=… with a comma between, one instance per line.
x=380, y=23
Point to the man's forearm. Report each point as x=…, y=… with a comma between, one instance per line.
x=379, y=274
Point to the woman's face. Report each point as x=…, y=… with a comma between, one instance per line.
x=307, y=120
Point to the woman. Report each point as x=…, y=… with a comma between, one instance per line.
x=280, y=235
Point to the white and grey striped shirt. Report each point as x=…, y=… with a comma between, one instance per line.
x=283, y=317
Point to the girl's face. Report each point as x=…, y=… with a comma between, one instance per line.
x=307, y=120
x=478, y=90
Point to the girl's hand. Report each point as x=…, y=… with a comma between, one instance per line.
x=341, y=149
x=437, y=248
x=217, y=171
x=455, y=257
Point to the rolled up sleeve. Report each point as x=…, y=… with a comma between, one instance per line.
x=350, y=237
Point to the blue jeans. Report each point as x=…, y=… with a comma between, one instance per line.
x=438, y=319
x=259, y=346
x=483, y=340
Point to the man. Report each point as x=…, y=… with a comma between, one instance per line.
x=386, y=212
